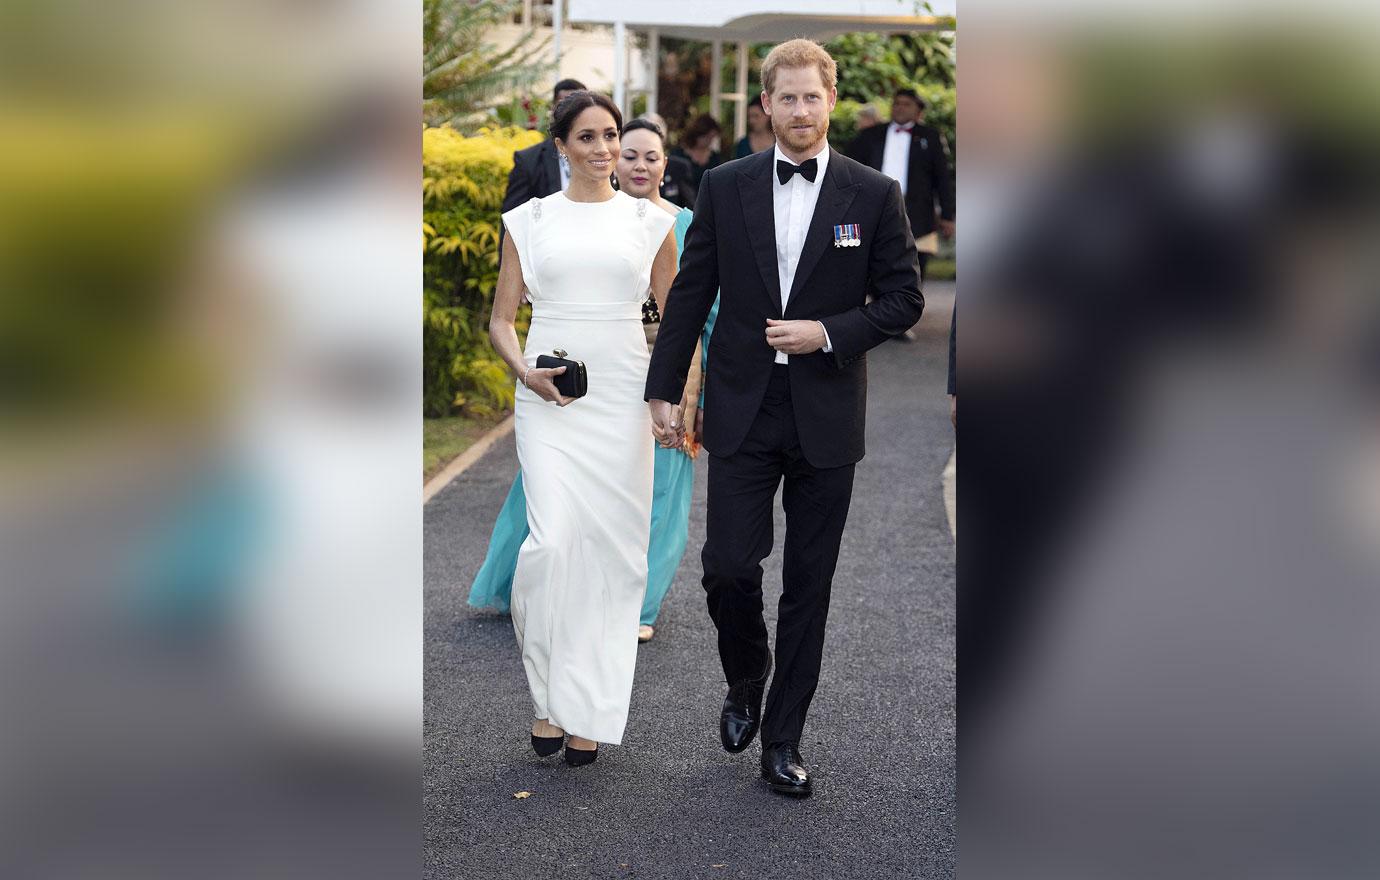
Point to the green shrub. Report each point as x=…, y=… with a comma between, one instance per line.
x=463, y=182
x=939, y=112
x=843, y=124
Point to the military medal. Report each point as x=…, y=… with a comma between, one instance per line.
x=848, y=235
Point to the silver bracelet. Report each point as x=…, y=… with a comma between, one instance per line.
x=525, y=374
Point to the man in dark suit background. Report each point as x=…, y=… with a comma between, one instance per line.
x=537, y=169
x=792, y=240
x=915, y=155
x=676, y=187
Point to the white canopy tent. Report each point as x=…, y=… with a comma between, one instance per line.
x=742, y=22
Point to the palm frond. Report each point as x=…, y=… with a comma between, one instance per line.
x=464, y=75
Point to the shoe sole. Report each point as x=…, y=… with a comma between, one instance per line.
x=788, y=790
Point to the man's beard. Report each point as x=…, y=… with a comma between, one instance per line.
x=799, y=140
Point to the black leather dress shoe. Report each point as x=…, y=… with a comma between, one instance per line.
x=742, y=711
x=784, y=770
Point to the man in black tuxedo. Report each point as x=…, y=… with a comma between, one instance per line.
x=916, y=156
x=795, y=237
x=537, y=170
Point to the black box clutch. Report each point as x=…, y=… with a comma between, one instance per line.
x=574, y=382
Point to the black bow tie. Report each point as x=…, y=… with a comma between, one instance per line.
x=808, y=169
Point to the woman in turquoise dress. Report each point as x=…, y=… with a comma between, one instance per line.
x=640, y=167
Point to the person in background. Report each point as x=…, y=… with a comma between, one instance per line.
x=867, y=117
x=759, y=136
x=916, y=156
x=699, y=143
x=538, y=170
x=675, y=183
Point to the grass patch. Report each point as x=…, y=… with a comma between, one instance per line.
x=445, y=438
x=941, y=270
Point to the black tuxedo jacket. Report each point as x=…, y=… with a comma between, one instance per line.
x=536, y=173
x=730, y=251
x=676, y=187
x=927, y=178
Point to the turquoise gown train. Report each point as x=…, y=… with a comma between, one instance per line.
x=673, y=483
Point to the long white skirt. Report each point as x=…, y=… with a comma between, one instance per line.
x=587, y=470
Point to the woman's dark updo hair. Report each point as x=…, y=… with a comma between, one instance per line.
x=576, y=103
x=640, y=124
x=699, y=127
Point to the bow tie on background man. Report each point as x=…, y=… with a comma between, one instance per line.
x=908, y=127
x=807, y=169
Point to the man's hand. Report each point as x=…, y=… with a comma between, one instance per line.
x=946, y=228
x=666, y=424
x=795, y=337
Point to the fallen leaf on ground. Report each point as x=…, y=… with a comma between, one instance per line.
x=718, y=866
x=522, y=794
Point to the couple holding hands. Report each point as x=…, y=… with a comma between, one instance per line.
x=787, y=245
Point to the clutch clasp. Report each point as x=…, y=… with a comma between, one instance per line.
x=560, y=353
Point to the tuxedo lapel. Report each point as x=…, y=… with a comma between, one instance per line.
x=834, y=198
x=917, y=164
x=551, y=168
x=879, y=145
x=755, y=194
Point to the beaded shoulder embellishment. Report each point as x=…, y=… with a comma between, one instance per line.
x=536, y=208
x=641, y=208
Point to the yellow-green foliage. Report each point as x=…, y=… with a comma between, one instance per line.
x=463, y=182
x=103, y=261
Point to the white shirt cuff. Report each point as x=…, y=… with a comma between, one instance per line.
x=828, y=346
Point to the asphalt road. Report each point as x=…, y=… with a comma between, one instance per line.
x=669, y=802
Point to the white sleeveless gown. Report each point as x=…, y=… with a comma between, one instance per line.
x=587, y=467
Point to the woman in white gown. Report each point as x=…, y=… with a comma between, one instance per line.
x=585, y=258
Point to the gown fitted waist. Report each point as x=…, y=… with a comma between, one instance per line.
x=606, y=337
x=587, y=311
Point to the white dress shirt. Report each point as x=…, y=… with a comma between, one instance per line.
x=896, y=156
x=794, y=205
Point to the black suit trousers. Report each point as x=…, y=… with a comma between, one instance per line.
x=742, y=488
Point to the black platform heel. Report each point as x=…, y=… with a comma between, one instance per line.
x=546, y=746
x=580, y=757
